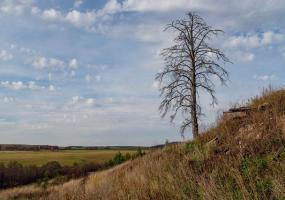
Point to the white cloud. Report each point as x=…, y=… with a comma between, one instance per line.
x=143, y=32
x=51, y=88
x=244, y=41
x=155, y=85
x=81, y=19
x=7, y=99
x=255, y=40
x=90, y=101
x=75, y=99
x=52, y=15
x=48, y=63
x=111, y=7
x=247, y=57
x=5, y=56
x=81, y=101
x=49, y=76
x=72, y=73
x=19, y=85
x=32, y=86
x=98, y=78
x=77, y=3
x=73, y=63
x=271, y=38
x=88, y=77
x=12, y=46
x=282, y=51
x=27, y=51
x=265, y=77
x=156, y=5
x=16, y=7
x=74, y=17
x=35, y=10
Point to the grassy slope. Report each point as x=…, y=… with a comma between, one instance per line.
x=64, y=157
x=247, y=161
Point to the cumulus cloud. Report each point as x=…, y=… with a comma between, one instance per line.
x=270, y=38
x=81, y=19
x=111, y=7
x=73, y=63
x=156, y=5
x=88, y=77
x=72, y=73
x=241, y=45
x=12, y=46
x=51, y=88
x=155, y=85
x=51, y=15
x=81, y=101
x=90, y=101
x=35, y=10
x=16, y=7
x=255, y=41
x=245, y=56
x=48, y=63
x=8, y=99
x=282, y=51
x=77, y=3
x=74, y=17
x=49, y=76
x=5, y=56
x=19, y=85
x=265, y=77
x=98, y=78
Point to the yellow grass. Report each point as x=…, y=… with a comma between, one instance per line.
x=64, y=157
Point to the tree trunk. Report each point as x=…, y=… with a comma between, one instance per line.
x=195, y=126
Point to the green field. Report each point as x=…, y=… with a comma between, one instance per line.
x=64, y=157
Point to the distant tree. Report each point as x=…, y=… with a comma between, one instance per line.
x=190, y=65
x=166, y=142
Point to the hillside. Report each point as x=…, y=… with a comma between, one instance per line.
x=241, y=157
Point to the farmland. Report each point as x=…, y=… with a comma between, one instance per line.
x=64, y=157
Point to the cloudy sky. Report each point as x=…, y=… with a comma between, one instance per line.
x=81, y=72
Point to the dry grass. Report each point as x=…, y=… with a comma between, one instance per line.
x=247, y=161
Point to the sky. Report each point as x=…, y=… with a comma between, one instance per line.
x=81, y=72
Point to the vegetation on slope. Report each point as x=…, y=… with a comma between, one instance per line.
x=241, y=158
x=15, y=174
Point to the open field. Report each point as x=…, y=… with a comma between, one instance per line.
x=64, y=157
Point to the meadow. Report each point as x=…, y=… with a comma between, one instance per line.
x=64, y=157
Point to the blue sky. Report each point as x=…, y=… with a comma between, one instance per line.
x=81, y=72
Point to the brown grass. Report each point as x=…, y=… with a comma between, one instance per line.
x=247, y=161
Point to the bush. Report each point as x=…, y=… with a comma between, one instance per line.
x=251, y=168
x=15, y=174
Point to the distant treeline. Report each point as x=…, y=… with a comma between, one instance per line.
x=24, y=147
x=103, y=148
x=15, y=174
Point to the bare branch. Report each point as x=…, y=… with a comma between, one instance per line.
x=190, y=65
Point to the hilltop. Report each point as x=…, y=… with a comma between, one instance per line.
x=240, y=157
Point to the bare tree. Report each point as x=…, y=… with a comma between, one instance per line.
x=190, y=65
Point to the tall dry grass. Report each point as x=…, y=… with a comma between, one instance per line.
x=246, y=160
